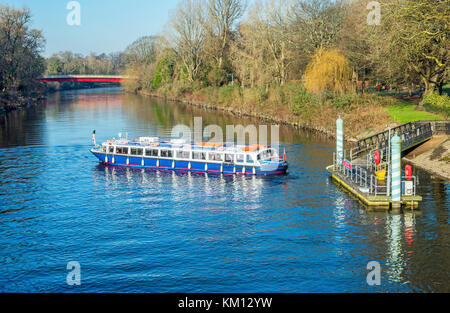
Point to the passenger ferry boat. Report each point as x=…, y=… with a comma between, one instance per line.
x=150, y=152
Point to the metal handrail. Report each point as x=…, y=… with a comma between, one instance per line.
x=403, y=185
x=375, y=188
x=364, y=178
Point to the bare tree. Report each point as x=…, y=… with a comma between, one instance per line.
x=416, y=35
x=222, y=16
x=20, y=49
x=249, y=57
x=274, y=21
x=188, y=36
x=142, y=50
x=318, y=23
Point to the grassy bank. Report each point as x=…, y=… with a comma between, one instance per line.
x=362, y=114
x=404, y=112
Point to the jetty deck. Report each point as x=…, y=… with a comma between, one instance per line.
x=367, y=195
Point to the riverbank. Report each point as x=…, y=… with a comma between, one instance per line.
x=19, y=103
x=433, y=156
x=363, y=114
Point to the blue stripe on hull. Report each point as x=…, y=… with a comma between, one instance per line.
x=150, y=162
x=228, y=168
x=165, y=163
x=213, y=167
x=101, y=157
x=135, y=161
x=199, y=166
x=183, y=165
x=120, y=159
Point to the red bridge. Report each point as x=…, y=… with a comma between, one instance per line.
x=81, y=78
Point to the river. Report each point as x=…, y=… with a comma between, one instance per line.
x=134, y=230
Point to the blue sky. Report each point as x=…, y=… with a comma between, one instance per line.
x=106, y=25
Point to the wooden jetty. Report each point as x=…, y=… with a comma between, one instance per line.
x=356, y=171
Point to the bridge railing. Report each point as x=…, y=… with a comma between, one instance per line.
x=438, y=127
x=411, y=134
x=416, y=135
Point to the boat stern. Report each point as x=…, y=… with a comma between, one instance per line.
x=274, y=167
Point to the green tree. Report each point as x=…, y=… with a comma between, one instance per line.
x=165, y=68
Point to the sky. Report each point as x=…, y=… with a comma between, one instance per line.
x=105, y=26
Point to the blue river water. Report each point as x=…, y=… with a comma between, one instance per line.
x=134, y=230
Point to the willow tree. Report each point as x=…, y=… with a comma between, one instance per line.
x=328, y=70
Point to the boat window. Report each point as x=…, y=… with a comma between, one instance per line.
x=229, y=158
x=239, y=158
x=122, y=150
x=151, y=152
x=136, y=151
x=216, y=156
x=182, y=154
x=199, y=155
x=111, y=149
x=166, y=153
x=266, y=155
x=249, y=158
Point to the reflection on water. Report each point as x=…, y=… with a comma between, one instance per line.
x=144, y=230
x=394, y=261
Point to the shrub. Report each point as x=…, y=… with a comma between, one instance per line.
x=437, y=103
x=227, y=93
x=300, y=99
x=164, y=69
x=346, y=100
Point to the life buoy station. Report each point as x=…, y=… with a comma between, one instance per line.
x=372, y=170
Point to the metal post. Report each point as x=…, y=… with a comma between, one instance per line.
x=339, y=140
x=396, y=171
x=388, y=161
